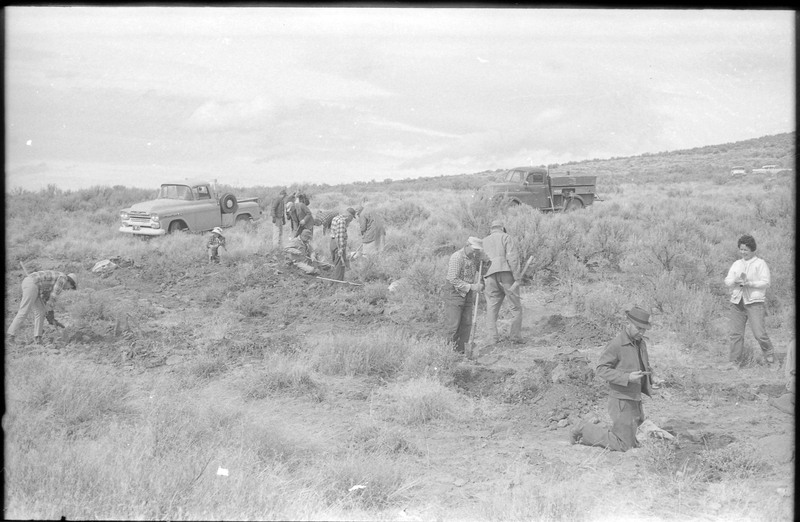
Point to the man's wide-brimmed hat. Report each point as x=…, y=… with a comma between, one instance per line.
x=498, y=223
x=475, y=242
x=217, y=230
x=351, y=211
x=639, y=316
x=73, y=279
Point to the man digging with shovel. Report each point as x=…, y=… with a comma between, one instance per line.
x=40, y=290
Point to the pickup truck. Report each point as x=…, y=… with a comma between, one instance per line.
x=537, y=187
x=190, y=205
x=771, y=169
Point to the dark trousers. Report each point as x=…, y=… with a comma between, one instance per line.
x=458, y=317
x=626, y=416
x=339, y=262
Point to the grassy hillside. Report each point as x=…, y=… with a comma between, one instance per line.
x=244, y=390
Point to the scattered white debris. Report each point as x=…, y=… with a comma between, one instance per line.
x=357, y=487
x=222, y=471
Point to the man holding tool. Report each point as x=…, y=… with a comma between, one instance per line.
x=503, y=273
x=624, y=364
x=40, y=290
x=463, y=278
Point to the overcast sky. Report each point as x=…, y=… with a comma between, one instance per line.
x=271, y=96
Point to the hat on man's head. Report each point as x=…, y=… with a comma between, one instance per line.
x=498, y=223
x=74, y=280
x=639, y=316
x=352, y=211
x=475, y=243
x=217, y=230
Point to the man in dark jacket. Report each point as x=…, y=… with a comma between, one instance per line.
x=624, y=364
x=305, y=219
x=278, y=219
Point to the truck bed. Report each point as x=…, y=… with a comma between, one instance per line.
x=573, y=181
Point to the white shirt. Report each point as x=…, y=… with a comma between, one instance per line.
x=758, y=280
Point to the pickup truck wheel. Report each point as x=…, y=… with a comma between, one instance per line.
x=177, y=226
x=244, y=218
x=228, y=204
x=573, y=204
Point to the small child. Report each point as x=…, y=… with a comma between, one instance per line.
x=215, y=241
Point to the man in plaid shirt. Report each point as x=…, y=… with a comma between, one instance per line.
x=339, y=243
x=40, y=290
x=324, y=219
x=459, y=294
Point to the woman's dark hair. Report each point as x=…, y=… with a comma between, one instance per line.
x=748, y=241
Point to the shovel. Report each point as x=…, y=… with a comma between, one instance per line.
x=471, y=349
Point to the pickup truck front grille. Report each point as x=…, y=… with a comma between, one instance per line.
x=139, y=217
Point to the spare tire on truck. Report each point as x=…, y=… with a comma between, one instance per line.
x=228, y=204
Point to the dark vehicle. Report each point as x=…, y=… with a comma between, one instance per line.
x=537, y=187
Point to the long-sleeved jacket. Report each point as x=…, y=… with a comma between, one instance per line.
x=51, y=284
x=619, y=358
x=758, y=280
x=278, y=211
x=371, y=224
x=502, y=251
x=304, y=216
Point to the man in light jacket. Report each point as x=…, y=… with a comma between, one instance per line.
x=502, y=251
x=748, y=279
x=372, y=230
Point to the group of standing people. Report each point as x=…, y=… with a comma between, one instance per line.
x=492, y=265
x=335, y=224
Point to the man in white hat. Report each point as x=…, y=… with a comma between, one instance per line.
x=502, y=251
x=216, y=241
x=40, y=290
x=459, y=294
x=624, y=364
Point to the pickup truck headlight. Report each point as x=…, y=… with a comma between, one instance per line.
x=154, y=218
x=123, y=215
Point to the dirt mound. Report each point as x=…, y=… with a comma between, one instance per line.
x=560, y=388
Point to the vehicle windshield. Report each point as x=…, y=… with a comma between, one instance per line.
x=175, y=192
x=514, y=176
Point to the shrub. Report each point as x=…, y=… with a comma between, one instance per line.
x=377, y=439
x=420, y=400
x=73, y=398
x=380, y=353
x=733, y=462
x=404, y=214
x=282, y=376
x=365, y=483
